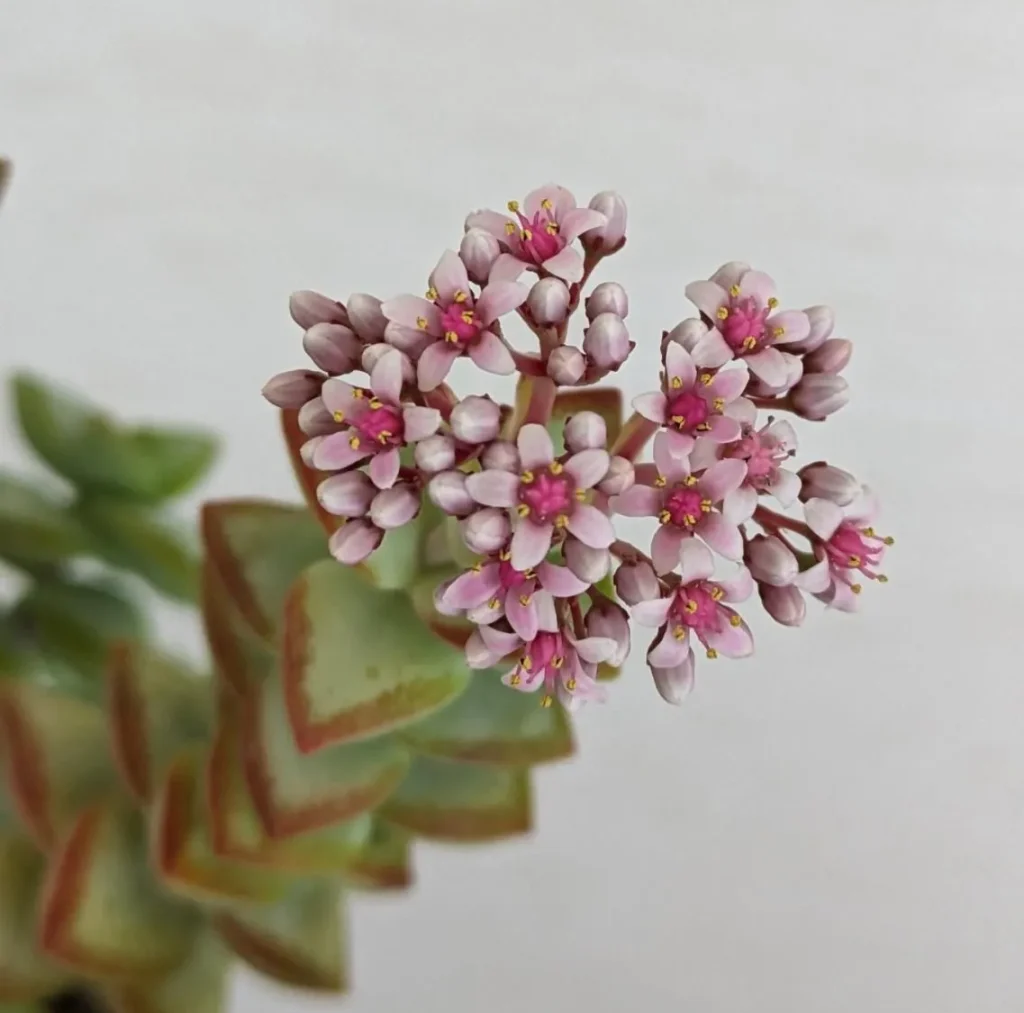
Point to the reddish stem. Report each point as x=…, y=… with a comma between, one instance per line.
x=634, y=436
x=442, y=398
x=773, y=522
x=542, y=401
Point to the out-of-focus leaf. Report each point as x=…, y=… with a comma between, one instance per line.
x=455, y=630
x=128, y=536
x=56, y=757
x=307, y=478
x=385, y=861
x=103, y=913
x=606, y=401
x=300, y=941
x=450, y=801
x=5, y=177
x=36, y=527
x=491, y=724
x=357, y=662
x=157, y=705
x=84, y=445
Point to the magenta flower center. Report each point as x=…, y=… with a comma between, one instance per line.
x=763, y=456
x=538, y=238
x=743, y=325
x=696, y=606
x=684, y=506
x=547, y=496
x=687, y=411
x=511, y=578
x=548, y=656
x=461, y=324
x=851, y=549
x=380, y=425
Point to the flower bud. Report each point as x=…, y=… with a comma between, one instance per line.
x=333, y=347
x=548, y=301
x=823, y=320
x=501, y=455
x=609, y=236
x=447, y=491
x=365, y=317
x=315, y=420
x=372, y=355
x=407, y=339
x=308, y=449
x=688, y=333
x=608, y=297
x=585, y=431
x=439, y=603
x=311, y=308
x=674, y=684
x=293, y=388
x=476, y=420
x=619, y=477
x=729, y=274
x=606, y=341
x=346, y=495
x=785, y=605
x=771, y=562
x=479, y=250
x=588, y=564
x=486, y=530
x=566, y=365
x=394, y=507
x=435, y=453
x=819, y=395
x=636, y=582
x=610, y=620
x=824, y=481
x=354, y=542
x=831, y=357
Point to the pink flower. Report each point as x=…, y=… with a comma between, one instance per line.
x=548, y=496
x=458, y=324
x=849, y=544
x=686, y=504
x=540, y=235
x=746, y=324
x=377, y=424
x=692, y=403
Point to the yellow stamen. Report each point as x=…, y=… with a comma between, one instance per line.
x=772, y=302
x=690, y=480
x=664, y=517
x=571, y=685
x=856, y=588
x=870, y=532
x=778, y=331
x=854, y=562
x=889, y=540
x=546, y=204
x=735, y=621
x=556, y=468
x=660, y=482
x=451, y=337
x=354, y=442
x=704, y=427
x=557, y=661
x=526, y=477
x=734, y=291
x=467, y=317
x=706, y=378
x=690, y=606
x=516, y=679
x=338, y=416
x=477, y=567
x=527, y=663
x=712, y=653
x=562, y=521
x=384, y=435
x=722, y=312
x=675, y=382
x=524, y=599
x=689, y=520
x=359, y=393
x=718, y=404
x=717, y=594
x=432, y=294
x=678, y=420
x=513, y=206
x=527, y=235
x=509, y=228
x=504, y=555
x=581, y=495
x=750, y=342
x=460, y=296
x=493, y=603
x=551, y=228
x=705, y=506
x=882, y=579
x=523, y=510
x=421, y=323
x=375, y=403
x=545, y=701
x=679, y=632
x=529, y=573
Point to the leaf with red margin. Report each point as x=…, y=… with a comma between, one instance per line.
x=103, y=913
x=357, y=662
x=57, y=757
x=606, y=401
x=300, y=941
x=295, y=793
x=449, y=801
x=25, y=974
x=384, y=863
x=157, y=704
x=181, y=850
x=307, y=478
x=492, y=724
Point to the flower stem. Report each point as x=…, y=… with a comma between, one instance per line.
x=773, y=522
x=633, y=436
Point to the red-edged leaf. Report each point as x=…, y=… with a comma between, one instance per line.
x=385, y=861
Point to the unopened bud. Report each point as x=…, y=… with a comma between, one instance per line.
x=308, y=449
x=479, y=250
x=548, y=301
x=588, y=564
x=440, y=605
x=819, y=395
x=394, y=507
x=486, y=530
x=687, y=333
x=346, y=495
x=365, y=317
x=435, y=453
x=585, y=431
x=566, y=365
x=610, y=620
x=823, y=320
x=609, y=236
x=674, y=684
x=372, y=355
x=333, y=347
x=831, y=357
x=315, y=420
x=608, y=297
x=293, y=388
x=824, y=481
x=606, y=341
x=502, y=456
x=409, y=340
x=311, y=308
x=771, y=561
x=619, y=477
x=785, y=605
x=447, y=491
x=354, y=542
x=729, y=274
x=476, y=420
x=637, y=582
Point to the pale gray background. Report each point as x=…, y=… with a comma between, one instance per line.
x=832, y=827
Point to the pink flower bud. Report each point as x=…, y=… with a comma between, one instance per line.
x=785, y=605
x=688, y=333
x=407, y=339
x=610, y=620
x=486, y=531
x=548, y=301
x=372, y=355
x=293, y=388
x=729, y=274
x=606, y=341
x=315, y=420
x=365, y=317
x=479, y=250
x=619, y=478
x=435, y=453
x=354, y=542
x=824, y=481
x=478, y=654
x=819, y=395
x=585, y=431
x=771, y=562
x=346, y=495
x=308, y=449
x=439, y=602
x=831, y=357
x=608, y=297
x=311, y=308
x=636, y=582
x=447, y=491
x=476, y=420
x=823, y=320
x=501, y=455
x=674, y=684
x=394, y=507
x=588, y=564
x=333, y=347
x=566, y=365
x=608, y=236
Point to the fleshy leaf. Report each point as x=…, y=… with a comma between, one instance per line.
x=450, y=801
x=488, y=724
x=295, y=793
x=102, y=912
x=157, y=704
x=605, y=401
x=384, y=862
x=35, y=527
x=455, y=630
x=5, y=177
x=300, y=941
x=57, y=757
x=357, y=662
x=308, y=479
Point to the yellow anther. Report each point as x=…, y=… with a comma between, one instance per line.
x=581, y=495
x=690, y=480
x=705, y=506
x=704, y=427
x=664, y=517
x=722, y=312
x=772, y=302
x=477, y=567
x=504, y=555
x=889, y=540
x=523, y=510
x=717, y=593
x=691, y=606
x=375, y=403
x=571, y=685
x=515, y=680
x=468, y=317
x=354, y=442
x=384, y=435
x=750, y=342
x=556, y=468
x=338, y=416
x=359, y=393
x=551, y=228
x=689, y=520
x=712, y=653
x=675, y=382
x=513, y=206
x=460, y=296
x=510, y=228
x=734, y=291
x=524, y=599
x=660, y=482
x=706, y=378
x=882, y=579
x=854, y=562
x=421, y=323
x=451, y=337
x=777, y=332
x=493, y=603
x=735, y=621
x=527, y=663
x=526, y=477
x=718, y=404
x=432, y=294
x=678, y=420
x=557, y=661
x=527, y=235
x=856, y=588
x=562, y=521
x=870, y=532
x=546, y=204
x=529, y=573
x=545, y=701
x=679, y=632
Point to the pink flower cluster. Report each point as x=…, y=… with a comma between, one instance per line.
x=554, y=588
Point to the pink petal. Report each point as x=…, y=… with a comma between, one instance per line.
x=386, y=378
x=712, y=350
x=499, y=298
x=768, y=365
x=795, y=324
x=434, y=365
x=675, y=682
x=651, y=406
x=651, y=613
x=449, y=277
x=740, y=504
x=408, y=310
x=527, y=682
x=758, y=285
x=494, y=488
x=864, y=509
x=782, y=433
x=588, y=467
x=560, y=581
x=498, y=642
x=535, y=447
x=723, y=429
x=723, y=537
x=728, y=384
x=384, y=468
x=704, y=454
x=595, y=649
x=561, y=200
x=665, y=546
x=579, y=220
x=522, y=618
x=722, y=478
x=338, y=396
x=679, y=365
x=815, y=579
x=473, y=587
x=638, y=501
x=707, y=296
x=547, y=616
x=785, y=487
x=731, y=641
x=591, y=527
x=671, y=450
x=489, y=221
x=419, y=423
x=668, y=652
x=336, y=452
x=506, y=268
x=841, y=597
x=488, y=612
x=491, y=355
x=739, y=587
x=530, y=544
x=823, y=517
x=695, y=562
x=567, y=264
x=743, y=410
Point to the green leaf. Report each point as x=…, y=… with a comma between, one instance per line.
x=384, y=862
x=357, y=662
x=84, y=445
x=450, y=801
x=397, y=562
x=129, y=537
x=35, y=527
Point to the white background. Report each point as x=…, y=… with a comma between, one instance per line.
x=834, y=826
